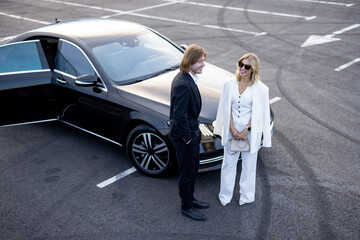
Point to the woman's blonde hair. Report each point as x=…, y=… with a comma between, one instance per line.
x=192, y=54
x=255, y=65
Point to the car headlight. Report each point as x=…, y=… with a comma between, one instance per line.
x=207, y=137
x=206, y=130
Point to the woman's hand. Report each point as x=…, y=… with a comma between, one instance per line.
x=234, y=133
x=243, y=134
x=239, y=135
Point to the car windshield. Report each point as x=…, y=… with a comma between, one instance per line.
x=134, y=58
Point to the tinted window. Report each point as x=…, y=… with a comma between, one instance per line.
x=136, y=57
x=20, y=57
x=71, y=60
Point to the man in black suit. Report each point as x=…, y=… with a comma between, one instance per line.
x=185, y=134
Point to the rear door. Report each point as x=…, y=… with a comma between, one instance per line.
x=26, y=92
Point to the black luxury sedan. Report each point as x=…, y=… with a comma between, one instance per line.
x=110, y=78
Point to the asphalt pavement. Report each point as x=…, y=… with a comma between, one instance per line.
x=308, y=182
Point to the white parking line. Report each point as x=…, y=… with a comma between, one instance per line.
x=243, y=9
x=138, y=10
x=342, y=67
x=118, y=12
x=326, y=2
x=132, y=13
x=133, y=169
x=346, y=29
x=117, y=177
x=85, y=6
x=24, y=18
x=199, y=24
x=274, y=100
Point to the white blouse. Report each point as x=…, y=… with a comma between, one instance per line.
x=241, y=105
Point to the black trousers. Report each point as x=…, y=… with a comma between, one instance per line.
x=188, y=162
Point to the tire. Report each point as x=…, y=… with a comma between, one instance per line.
x=149, y=151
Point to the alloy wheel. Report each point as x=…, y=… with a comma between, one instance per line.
x=150, y=153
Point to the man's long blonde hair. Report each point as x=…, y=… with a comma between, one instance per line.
x=255, y=65
x=192, y=54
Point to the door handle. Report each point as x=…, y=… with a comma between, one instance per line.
x=61, y=81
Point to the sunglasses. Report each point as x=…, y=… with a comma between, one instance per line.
x=247, y=67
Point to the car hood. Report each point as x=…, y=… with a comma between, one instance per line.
x=154, y=93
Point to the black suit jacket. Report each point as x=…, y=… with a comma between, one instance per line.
x=185, y=107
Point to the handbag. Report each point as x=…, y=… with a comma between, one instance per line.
x=239, y=145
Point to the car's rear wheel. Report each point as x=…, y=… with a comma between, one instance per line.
x=149, y=151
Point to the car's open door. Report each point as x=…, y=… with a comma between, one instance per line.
x=26, y=92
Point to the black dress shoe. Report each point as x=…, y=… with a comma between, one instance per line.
x=198, y=204
x=193, y=214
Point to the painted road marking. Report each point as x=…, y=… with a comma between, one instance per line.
x=117, y=177
x=316, y=39
x=138, y=10
x=342, y=67
x=201, y=25
x=243, y=9
x=274, y=100
x=132, y=13
x=24, y=18
x=133, y=169
x=326, y=2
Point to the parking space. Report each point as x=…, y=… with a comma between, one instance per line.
x=60, y=183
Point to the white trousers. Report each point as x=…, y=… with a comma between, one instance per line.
x=247, y=177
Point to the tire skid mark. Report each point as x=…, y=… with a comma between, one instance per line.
x=265, y=222
x=319, y=196
x=318, y=193
x=306, y=113
x=279, y=83
x=294, y=23
x=256, y=26
x=266, y=201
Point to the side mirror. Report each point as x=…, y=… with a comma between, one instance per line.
x=88, y=80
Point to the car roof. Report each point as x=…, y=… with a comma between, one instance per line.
x=87, y=30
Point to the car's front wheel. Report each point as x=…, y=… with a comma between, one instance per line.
x=149, y=151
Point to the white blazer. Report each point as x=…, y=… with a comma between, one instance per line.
x=260, y=115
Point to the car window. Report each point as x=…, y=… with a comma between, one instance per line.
x=136, y=57
x=23, y=56
x=71, y=60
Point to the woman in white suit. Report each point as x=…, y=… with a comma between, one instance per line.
x=243, y=112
